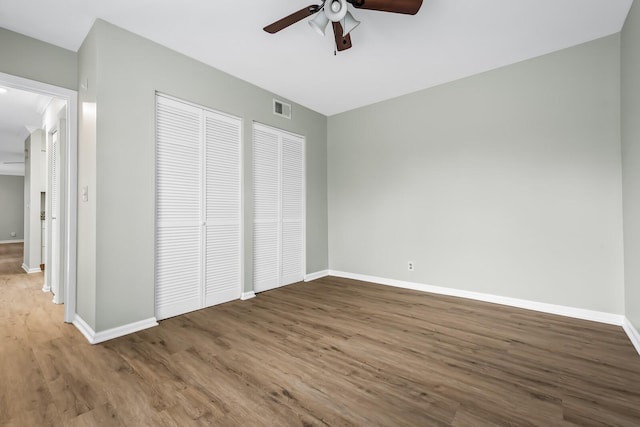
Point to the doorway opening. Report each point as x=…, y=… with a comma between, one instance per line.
x=59, y=136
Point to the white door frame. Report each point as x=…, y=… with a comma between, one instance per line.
x=71, y=179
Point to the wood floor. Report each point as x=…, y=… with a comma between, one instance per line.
x=11, y=256
x=331, y=352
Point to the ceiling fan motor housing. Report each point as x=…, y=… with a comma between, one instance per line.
x=336, y=10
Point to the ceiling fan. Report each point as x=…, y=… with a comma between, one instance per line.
x=342, y=20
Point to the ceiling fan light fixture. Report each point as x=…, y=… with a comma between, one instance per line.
x=343, y=22
x=319, y=23
x=336, y=10
x=349, y=24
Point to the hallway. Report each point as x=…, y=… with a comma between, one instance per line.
x=11, y=255
x=28, y=319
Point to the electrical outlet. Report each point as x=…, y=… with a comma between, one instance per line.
x=410, y=266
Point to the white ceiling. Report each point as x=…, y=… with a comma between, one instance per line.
x=20, y=113
x=392, y=54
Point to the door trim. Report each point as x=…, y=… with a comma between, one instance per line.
x=71, y=180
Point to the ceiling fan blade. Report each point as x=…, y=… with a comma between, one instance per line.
x=342, y=42
x=291, y=19
x=410, y=7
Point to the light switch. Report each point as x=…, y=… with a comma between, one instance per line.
x=85, y=194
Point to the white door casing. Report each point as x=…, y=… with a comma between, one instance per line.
x=69, y=145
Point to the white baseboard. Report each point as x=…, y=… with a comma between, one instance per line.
x=84, y=327
x=2, y=242
x=31, y=270
x=633, y=334
x=247, y=295
x=46, y=288
x=98, y=337
x=316, y=275
x=578, y=313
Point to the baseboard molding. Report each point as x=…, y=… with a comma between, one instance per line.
x=578, y=313
x=633, y=334
x=247, y=295
x=2, y=242
x=84, y=327
x=97, y=337
x=31, y=270
x=316, y=275
x=46, y=288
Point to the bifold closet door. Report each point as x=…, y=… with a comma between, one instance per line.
x=52, y=269
x=292, y=211
x=178, y=208
x=278, y=194
x=198, y=208
x=266, y=208
x=223, y=254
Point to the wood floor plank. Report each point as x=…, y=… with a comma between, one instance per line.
x=333, y=352
x=103, y=415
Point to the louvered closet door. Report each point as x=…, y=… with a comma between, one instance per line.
x=292, y=262
x=278, y=186
x=54, y=246
x=223, y=209
x=178, y=208
x=266, y=208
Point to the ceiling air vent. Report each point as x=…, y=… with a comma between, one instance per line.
x=281, y=109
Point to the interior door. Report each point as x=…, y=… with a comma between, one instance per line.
x=198, y=208
x=53, y=267
x=266, y=208
x=278, y=191
x=292, y=228
x=178, y=208
x=223, y=199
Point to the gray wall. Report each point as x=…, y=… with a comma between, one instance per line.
x=506, y=183
x=36, y=60
x=86, y=248
x=12, y=211
x=130, y=70
x=631, y=161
